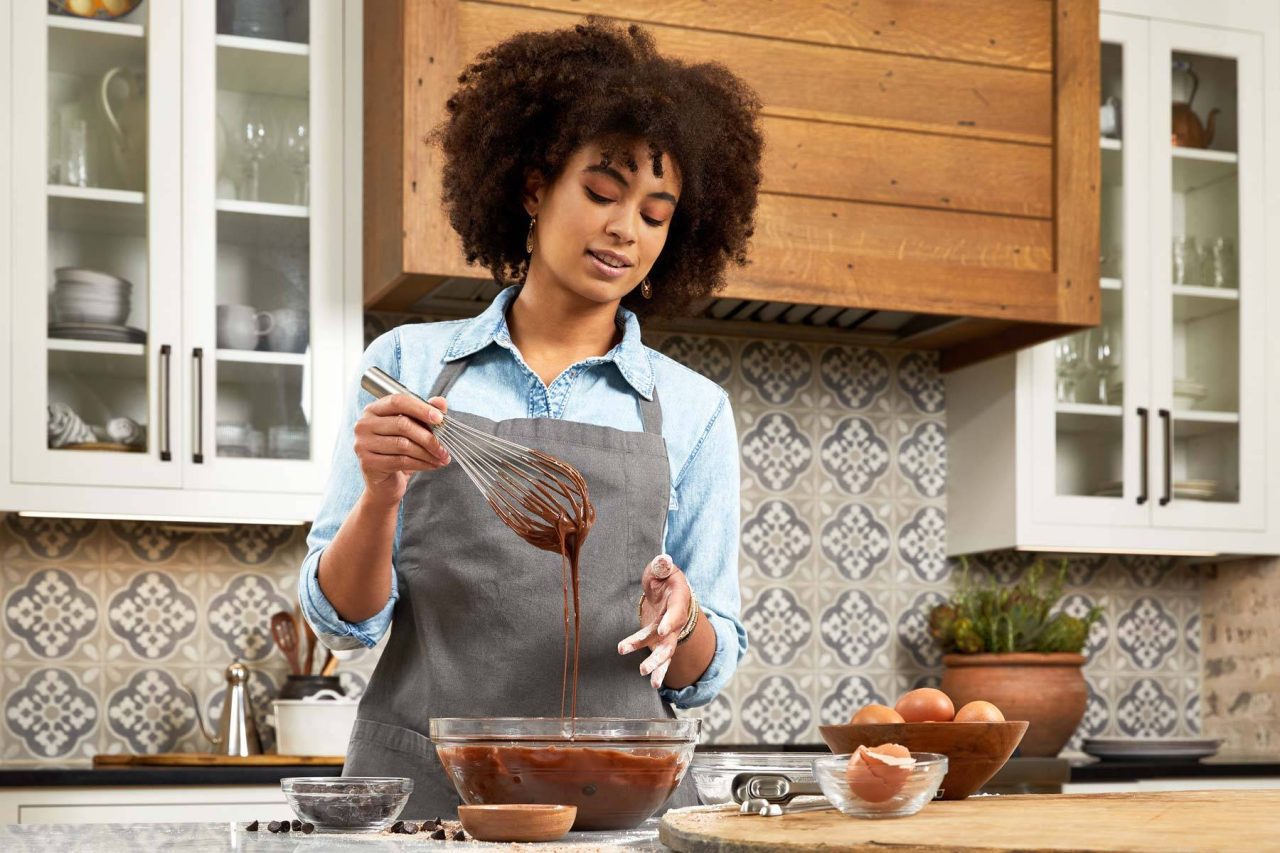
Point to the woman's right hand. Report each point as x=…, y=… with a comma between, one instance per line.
x=392, y=444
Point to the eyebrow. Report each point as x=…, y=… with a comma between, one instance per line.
x=617, y=176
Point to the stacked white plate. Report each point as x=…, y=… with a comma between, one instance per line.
x=89, y=296
x=1150, y=749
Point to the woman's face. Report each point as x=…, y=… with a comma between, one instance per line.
x=600, y=225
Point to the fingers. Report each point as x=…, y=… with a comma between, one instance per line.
x=661, y=567
x=405, y=404
x=638, y=639
x=656, y=664
x=395, y=426
x=677, y=612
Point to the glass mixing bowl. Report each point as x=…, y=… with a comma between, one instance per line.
x=713, y=772
x=617, y=772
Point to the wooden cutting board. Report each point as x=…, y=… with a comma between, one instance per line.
x=1156, y=822
x=206, y=759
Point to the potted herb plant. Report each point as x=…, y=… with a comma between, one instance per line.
x=1007, y=645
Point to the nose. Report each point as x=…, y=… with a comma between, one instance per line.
x=622, y=226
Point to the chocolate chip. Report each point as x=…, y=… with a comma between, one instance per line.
x=398, y=826
x=284, y=826
x=438, y=835
x=308, y=828
x=459, y=836
x=427, y=826
x=274, y=826
x=410, y=829
x=253, y=827
x=296, y=826
x=589, y=790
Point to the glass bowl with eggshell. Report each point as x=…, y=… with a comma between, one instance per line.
x=880, y=791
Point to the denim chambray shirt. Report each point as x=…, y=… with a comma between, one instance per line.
x=697, y=423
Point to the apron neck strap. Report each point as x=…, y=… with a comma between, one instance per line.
x=650, y=410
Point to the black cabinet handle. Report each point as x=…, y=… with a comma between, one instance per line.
x=197, y=356
x=1144, y=420
x=1167, y=417
x=165, y=454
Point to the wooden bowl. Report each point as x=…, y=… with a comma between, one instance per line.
x=974, y=751
x=517, y=822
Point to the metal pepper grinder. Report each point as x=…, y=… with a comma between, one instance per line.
x=237, y=731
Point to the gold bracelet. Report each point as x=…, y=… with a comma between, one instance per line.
x=694, y=611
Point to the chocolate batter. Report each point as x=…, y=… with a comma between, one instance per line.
x=548, y=526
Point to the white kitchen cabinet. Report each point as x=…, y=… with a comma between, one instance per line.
x=143, y=804
x=209, y=163
x=1150, y=433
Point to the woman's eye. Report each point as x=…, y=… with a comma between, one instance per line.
x=654, y=222
x=596, y=197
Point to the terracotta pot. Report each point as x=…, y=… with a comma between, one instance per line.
x=1046, y=690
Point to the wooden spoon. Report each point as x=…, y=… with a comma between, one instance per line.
x=330, y=663
x=285, y=632
x=517, y=822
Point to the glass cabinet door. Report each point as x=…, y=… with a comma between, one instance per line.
x=1206, y=105
x=263, y=120
x=96, y=246
x=1090, y=413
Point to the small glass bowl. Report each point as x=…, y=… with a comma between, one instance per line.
x=919, y=785
x=713, y=772
x=347, y=803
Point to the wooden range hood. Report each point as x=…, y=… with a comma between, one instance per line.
x=931, y=174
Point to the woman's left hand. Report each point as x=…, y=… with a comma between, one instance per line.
x=663, y=612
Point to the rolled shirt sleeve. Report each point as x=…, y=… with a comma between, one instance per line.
x=344, y=488
x=702, y=539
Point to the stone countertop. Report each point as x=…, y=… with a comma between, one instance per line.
x=84, y=774
x=232, y=838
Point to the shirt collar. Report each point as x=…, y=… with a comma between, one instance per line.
x=490, y=326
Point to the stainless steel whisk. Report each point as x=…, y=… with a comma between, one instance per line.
x=541, y=497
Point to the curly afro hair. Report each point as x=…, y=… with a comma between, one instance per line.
x=530, y=102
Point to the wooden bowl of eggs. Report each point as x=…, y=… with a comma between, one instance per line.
x=976, y=739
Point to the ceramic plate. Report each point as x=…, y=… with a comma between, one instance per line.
x=97, y=332
x=1150, y=749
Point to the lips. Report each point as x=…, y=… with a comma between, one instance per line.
x=611, y=259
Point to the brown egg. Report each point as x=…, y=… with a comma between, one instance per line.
x=876, y=773
x=926, y=705
x=979, y=711
x=876, y=714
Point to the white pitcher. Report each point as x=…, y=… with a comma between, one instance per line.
x=122, y=95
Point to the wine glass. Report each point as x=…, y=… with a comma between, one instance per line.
x=256, y=136
x=297, y=149
x=1103, y=351
x=1070, y=357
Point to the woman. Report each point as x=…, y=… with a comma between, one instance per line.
x=611, y=182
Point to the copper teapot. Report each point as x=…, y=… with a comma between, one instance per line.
x=1187, y=131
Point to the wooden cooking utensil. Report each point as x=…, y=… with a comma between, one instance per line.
x=517, y=822
x=285, y=632
x=330, y=663
x=311, y=647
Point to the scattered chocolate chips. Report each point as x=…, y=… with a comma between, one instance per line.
x=438, y=835
x=308, y=828
x=398, y=826
x=253, y=827
x=459, y=836
x=274, y=826
x=410, y=829
x=285, y=826
x=296, y=825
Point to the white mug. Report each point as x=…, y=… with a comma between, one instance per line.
x=290, y=330
x=240, y=326
x=1109, y=117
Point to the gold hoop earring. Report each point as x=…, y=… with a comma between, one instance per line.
x=528, y=241
x=646, y=289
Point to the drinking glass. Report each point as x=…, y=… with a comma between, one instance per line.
x=75, y=151
x=1103, y=351
x=256, y=137
x=297, y=149
x=1185, y=266
x=1220, y=262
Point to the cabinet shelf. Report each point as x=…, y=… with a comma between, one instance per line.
x=86, y=47
x=1205, y=155
x=262, y=208
x=1088, y=417
x=96, y=347
x=263, y=66
x=253, y=223
x=1110, y=144
x=1188, y=423
x=97, y=210
x=1202, y=169
x=1193, y=302
x=243, y=356
x=1112, y=284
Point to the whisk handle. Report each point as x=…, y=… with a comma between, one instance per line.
x=379, y=383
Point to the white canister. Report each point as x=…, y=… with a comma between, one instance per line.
x=320, y=724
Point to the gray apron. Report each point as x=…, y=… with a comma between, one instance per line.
x=479, y=628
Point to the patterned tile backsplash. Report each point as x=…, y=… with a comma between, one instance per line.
x=844, y=462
